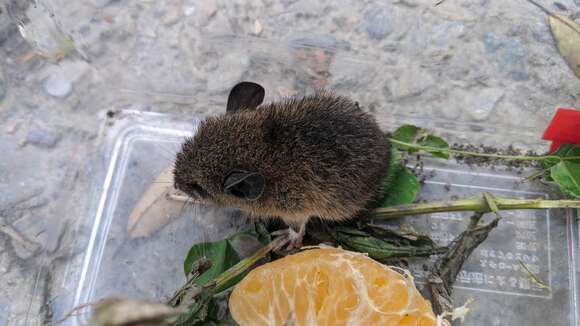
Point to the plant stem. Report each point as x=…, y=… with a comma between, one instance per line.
x=246, y=263
x=496, y=156
x=193, y=293
x=477, y=204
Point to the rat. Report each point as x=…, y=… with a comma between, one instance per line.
x=318, y=156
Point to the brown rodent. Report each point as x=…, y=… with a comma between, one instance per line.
x=314, y=156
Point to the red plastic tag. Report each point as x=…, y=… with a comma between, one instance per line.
x=564, y=128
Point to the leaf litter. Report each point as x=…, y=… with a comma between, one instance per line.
x=155, y=209
x=566, y=34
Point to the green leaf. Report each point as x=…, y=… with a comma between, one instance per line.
x=415, y=135
x=381, y=244
x=437, y=142
x=402, y=237
x=395, y=167
x=560, y=152
x=566, y=173
x=402, y=189
x=221, y=254
x=406, y=133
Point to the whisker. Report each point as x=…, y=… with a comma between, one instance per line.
x=183, y=206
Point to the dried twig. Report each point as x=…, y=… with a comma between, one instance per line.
x=16, y=236
x=442, y=278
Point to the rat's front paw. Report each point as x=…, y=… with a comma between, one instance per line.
x=294, y=237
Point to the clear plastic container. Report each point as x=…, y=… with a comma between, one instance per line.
x=135, y=147
x=137, y=262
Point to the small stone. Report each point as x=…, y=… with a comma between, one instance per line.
x=447, y=32
x=43, y=138
x=188, y=10
x=57, y=85
x=219, y=24
x=484, y=103
x=541, y=33
x=257, y=27
x=492, y=42
x=211, y=10
x=413, y=81
x=96, y=49
x=85, y=30
x=346, y=73
x=171, y=16
x=100, y=3
x=508, y=53
x=455, y=11
x=12, y=126
x=514, y=59
x=378, y=22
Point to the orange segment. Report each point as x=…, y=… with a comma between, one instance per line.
x=328, y=287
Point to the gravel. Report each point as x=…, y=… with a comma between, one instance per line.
x=43, y=138
x=478, y=63
x=57, y=85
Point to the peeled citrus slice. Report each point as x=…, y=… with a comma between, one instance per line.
x=328, y=287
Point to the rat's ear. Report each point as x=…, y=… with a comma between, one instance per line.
x=244, y=184
x=245, y=95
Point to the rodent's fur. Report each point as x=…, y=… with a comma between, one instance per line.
x=320, y=156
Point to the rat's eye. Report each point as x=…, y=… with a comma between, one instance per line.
x=195, y=190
